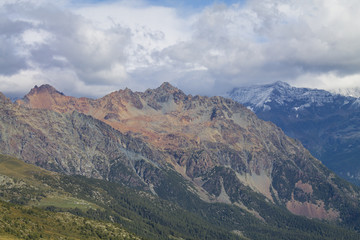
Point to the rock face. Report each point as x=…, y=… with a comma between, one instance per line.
x=73, y=144
x=327, y=124
x=219, y=148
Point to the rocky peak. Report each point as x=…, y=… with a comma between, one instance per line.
x=4, y=99
x=163, y=94
x=122, y=93
x=45, y=88
x=167, y=87
x=129, y=96
x=46, y=97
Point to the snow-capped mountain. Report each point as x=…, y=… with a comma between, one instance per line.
x=264, y=97
x=327, y=124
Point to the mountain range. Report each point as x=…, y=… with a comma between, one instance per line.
x=326, y=123
x=208, y=156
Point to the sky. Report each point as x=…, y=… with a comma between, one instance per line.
x=94, y=47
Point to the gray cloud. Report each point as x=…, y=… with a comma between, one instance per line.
x=11, y=61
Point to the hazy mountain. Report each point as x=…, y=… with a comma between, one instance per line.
x=326, y=123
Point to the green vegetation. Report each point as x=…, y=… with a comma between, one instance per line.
x=175, y=213
x=65, y=203
x=18, y=184
x=191, y=218
x=140, y=212
x=22, y=222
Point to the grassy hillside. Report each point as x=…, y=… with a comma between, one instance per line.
x=110, y=205
x=137, y=211
x=23, y=222
x=20, y=220
x=19, y=184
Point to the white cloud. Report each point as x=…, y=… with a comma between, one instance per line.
x=328, y=81
x=19, y=83
x=48, y=39
x=267, y=41
x=143, y=19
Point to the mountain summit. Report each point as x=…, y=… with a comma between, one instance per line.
x=262, y=97
x=326, y=123
x=45, y=88
x=166, y=86
x=4, y=99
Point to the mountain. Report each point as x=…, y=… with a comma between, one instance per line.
x=198, y=152
x=326, y=123
x=73, y=144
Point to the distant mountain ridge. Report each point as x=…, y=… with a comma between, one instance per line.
x=326, y=123
x=282, y=94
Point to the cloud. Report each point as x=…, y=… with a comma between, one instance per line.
x=47, y=38
x=93, y=48
x=11, y=61
x=267, y=41
x=96, y=46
